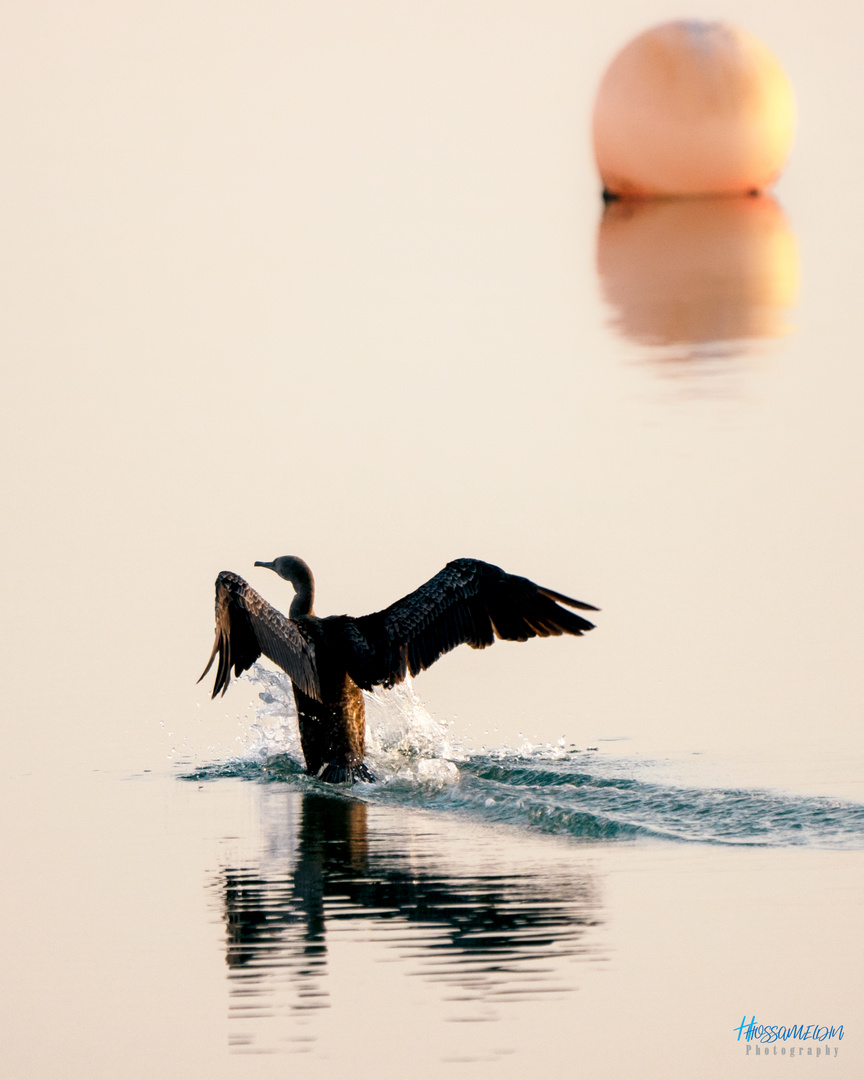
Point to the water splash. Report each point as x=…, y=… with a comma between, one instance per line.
x=544, y=788
x=405, y=744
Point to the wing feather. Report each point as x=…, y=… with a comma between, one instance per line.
x=246, y=627
x=468, y=602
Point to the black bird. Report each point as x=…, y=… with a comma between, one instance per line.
x=330, y=660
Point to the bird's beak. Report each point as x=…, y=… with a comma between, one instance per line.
x=269, y=565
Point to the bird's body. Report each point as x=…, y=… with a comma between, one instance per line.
x=330, y=661
x=333, y=733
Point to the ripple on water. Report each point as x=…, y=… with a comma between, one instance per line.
x=545, y=788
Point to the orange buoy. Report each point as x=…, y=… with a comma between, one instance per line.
x=693, y=108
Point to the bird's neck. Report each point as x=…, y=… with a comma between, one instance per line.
x=301, y=605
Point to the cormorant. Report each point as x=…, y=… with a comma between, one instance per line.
x=331, y=660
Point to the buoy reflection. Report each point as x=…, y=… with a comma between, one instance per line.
x=693, y=272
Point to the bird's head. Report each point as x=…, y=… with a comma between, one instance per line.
x=288, y=567
x=298, y=573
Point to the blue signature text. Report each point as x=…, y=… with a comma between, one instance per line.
x=770, y=1033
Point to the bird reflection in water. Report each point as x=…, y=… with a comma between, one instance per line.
x=496, y=936
x=698, y=278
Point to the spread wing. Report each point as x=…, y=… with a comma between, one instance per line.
x=246, y=627
x=468, y=601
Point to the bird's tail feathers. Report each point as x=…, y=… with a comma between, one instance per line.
x=331, y=773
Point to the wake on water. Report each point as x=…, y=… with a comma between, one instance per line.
x=546, y=788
